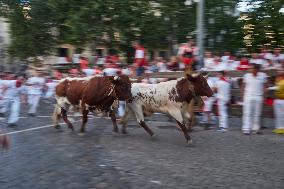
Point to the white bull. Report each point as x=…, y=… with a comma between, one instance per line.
x=171, y=97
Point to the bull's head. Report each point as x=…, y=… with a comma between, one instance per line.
x=122, y=87
x=201, y=87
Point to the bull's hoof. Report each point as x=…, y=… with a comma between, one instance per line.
x=115, y=134
x=57, y=127
x=81, y=134
x=124, y=132
x=189, y=142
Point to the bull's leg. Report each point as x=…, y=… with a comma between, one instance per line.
x=84, y=120
x=113, y=119
x=190, y=111
x=56, y=116
x=125, y=119
x=66, y=120
x=184, y=130
x=138, y=111
x=147, y=129
x=177, y=115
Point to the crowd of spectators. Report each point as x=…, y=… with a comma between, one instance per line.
x=113, y=64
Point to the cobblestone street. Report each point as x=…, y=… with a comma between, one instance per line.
x=46, y=158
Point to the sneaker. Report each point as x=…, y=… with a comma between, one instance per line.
x=256, y=132
x=12, y=125
x=246, y=132
x=278, y=131
x=222, y=130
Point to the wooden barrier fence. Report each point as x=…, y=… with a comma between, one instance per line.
x=235, y=110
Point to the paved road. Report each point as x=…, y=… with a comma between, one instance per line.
x=47, y=158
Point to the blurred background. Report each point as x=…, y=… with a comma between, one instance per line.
x=59, y=31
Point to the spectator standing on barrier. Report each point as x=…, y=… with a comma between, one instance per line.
x=223, y=88
x=186, y=54
x=279, y=104
x=253, y=89
x=139, y=58
x=35, y=88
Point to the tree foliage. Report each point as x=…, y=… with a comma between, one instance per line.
x=267, y=24
x=38, y=26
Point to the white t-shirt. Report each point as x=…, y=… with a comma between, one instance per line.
x=225, y=58
x=89, y=72
x=161, y=66
x=209, y=63
x=223, y=90
x=110, y=71
x=36, y=85
x=51, y=88
x=221, y=66
x=126, y=71
x=254, y=85
x=257, y=61
x=139, y=53
x=12, y=91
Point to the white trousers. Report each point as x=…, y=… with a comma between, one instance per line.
x=121, y=108
x=14, y=110
x=4, y=103
x=49, y=94
x=33, y=100
x=223, y=113
x=279, y=113
x=252, y=109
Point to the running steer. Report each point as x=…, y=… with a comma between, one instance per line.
x=90, y=94
x=171, y=97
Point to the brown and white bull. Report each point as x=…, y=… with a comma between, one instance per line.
x=90, y=94
x=171, y=97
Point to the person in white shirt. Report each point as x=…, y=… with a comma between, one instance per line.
x=35, y=88
x=209, y=102
x=3, y=107
x=89, y=72
x=50, y=85
x=209, y=61
x=110, y=71
x=12, y=93
x=256, y=59
x=277, y=58
x=253, y=89
x=223, y=88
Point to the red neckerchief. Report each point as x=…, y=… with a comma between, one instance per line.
x=223, y=79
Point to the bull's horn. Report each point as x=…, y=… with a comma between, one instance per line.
x=133, y=80
x=194, y=75
x=116, y=78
